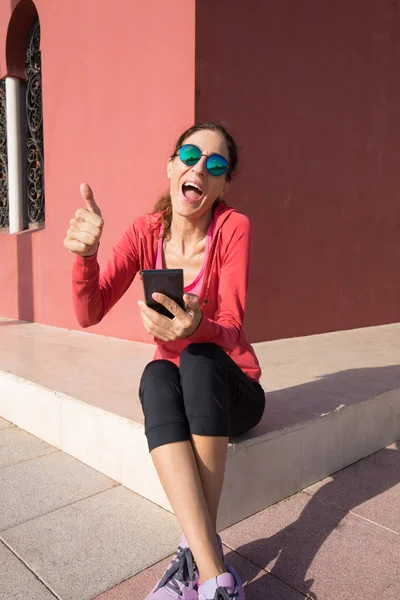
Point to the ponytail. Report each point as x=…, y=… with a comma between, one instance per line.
x=164, y=206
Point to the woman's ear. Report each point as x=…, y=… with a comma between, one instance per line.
x=169, y=168
x=225, y=188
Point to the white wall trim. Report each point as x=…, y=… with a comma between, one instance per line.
x=14, y=152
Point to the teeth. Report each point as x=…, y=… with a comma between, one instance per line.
x=194, y=185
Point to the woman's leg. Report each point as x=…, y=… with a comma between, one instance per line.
x=220, y=401
x=168, y=435
x=177, y=469
x=209, y=399
x=210, y=453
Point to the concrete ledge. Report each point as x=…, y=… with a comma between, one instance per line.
x=321, y=415
x=111, y=444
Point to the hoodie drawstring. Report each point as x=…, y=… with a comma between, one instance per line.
x=205, y=301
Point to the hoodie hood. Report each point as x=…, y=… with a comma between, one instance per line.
x=151, y=223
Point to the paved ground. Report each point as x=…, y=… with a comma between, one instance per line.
x=68, y=532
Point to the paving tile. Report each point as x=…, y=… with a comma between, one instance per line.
x=5, y=424
x=84, y=549
x=137, y=587
x=36, y=487
x=319, y=549
x=387, y=459
x=392, y=592
x=259, y=585
x=369, y=488
x=17, y=582
x=17, y=446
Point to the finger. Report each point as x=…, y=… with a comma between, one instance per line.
x=74, y=245
x=82, y=236
x=191, y=302
x=169, y=304
x=87, y=216
x=155, y=330
x=79, y=225
x=146, y=325
x=154, y=316
x=88, y=199
x=161, y=322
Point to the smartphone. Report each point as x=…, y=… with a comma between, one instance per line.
x=165, y=281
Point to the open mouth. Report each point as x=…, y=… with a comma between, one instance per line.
x=192, y=191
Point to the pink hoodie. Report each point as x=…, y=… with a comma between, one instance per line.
x=222, y=300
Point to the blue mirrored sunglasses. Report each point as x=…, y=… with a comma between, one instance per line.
x=215, y=164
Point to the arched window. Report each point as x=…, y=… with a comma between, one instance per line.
x=22, y=172
x=34, y=128
x=3, y=158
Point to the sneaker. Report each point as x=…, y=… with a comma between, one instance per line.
x=224, y=587
x=180, y=580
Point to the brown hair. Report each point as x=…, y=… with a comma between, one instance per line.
x=164, y=204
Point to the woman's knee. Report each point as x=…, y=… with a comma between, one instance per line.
x=204, y=352
x=161, y=398
x=161, y=369
x=160, y=377
x=205, y=389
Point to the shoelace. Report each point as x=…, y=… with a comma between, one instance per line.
x=222, y=594
x=181, y=570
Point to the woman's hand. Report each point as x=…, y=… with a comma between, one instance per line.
x=85, y=229
x=184, y=323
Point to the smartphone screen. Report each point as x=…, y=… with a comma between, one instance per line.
x=165, y=281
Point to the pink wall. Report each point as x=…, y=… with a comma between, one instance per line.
x=118, y=87
x=311, y=91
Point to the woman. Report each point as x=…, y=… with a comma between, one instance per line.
x=203, y=385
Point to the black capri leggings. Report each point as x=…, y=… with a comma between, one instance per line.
x=208, y=395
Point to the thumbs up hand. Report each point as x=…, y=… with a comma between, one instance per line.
x=85, y=229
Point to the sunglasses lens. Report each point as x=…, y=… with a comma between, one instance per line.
x=217, y=165
x=189, y=154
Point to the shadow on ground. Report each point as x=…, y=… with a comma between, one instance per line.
x=288, y=554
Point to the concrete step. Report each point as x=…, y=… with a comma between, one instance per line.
x=331, y=400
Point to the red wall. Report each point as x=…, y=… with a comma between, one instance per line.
x=118, y=88
x=311, y=91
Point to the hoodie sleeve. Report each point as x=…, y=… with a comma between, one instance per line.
x=225, y=329
x=94, y=294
